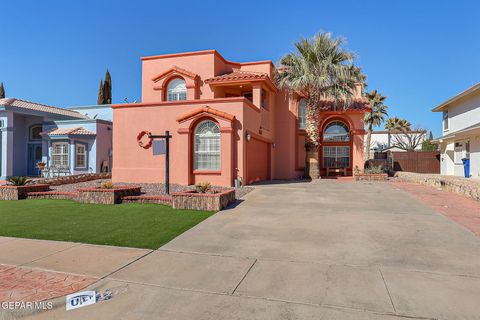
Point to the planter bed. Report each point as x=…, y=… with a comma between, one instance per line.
x=106, y=196
x=21, y=192
x=203, y=201
x=370, y=177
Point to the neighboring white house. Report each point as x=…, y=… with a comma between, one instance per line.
x=383, y=141
x=461, y=133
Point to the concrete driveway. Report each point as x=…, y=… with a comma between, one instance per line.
x=322, y=250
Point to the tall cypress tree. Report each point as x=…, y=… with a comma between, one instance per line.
x=101, y=96
x=107, y=88
x=2, y=91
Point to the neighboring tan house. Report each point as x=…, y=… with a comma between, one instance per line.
x=461, y=133
x=228, y=121
x=385, y=140
x=65, y=139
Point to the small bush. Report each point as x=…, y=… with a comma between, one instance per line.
x=106, y=185
x=19, y=181
x=374, y=170
x=203, y=187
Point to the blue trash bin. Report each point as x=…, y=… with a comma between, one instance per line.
x=466, y=167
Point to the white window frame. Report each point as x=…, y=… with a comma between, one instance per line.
x=177, y=90
x=84, y=155
x=207, y=146
x=62, y=158
x=302, y=114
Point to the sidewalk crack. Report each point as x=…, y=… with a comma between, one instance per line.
x=388, y=291
x=244, y=276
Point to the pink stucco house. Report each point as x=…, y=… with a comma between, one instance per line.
x=229, y=121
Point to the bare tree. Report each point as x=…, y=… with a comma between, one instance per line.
x=408, y=140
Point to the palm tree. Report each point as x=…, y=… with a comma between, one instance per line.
x=374, y=117
x=320, y=68
x=397, y=124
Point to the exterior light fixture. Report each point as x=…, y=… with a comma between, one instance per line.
x=248, y=136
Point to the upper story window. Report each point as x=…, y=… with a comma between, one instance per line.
x=35, y=132
x=336, y=131
x=445, y=120
x=176, y=90
x=302, y=114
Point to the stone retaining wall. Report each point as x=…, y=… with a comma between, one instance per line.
x=165, y=200
x=106, y=196
x=21, y=192
x=462, y=186
x=53, y=195
x=203, y=201
x=73, y=179
x=370, y=177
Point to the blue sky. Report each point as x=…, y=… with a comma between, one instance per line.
x=418, y=53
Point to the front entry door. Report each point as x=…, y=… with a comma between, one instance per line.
x=34, y=156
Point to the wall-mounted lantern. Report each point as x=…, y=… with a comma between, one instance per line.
x=248, y=136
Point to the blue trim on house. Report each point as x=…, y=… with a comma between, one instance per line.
x=79, y=121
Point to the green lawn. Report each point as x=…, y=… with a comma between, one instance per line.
x=129, y=225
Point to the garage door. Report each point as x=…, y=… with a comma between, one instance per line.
x=258, y=161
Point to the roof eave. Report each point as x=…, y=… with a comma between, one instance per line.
x=444, y=105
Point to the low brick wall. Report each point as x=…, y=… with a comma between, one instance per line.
x=165, y=200
x=73, y=179
x=59, y=195
x=370, y=177
x=106, y=196
x=466, y=187
x=20, y=192
x=203, y=201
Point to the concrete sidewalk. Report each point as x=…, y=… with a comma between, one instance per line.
x=323, y=250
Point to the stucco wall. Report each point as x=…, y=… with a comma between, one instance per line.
x=135, y=164
x=464, y=113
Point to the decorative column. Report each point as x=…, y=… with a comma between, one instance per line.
x=7, y=147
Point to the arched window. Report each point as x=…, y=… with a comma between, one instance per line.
x=176, y=90
x=35, y=132
x=207, y=146
x=302, y=114
x=336, y=131
x=336, y=151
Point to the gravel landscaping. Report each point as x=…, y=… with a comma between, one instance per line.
x=148, y=189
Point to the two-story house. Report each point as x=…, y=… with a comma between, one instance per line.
x=461, y=133
x=228, y=121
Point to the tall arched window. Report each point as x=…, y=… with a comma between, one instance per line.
x=207, y=146
x=176, y=90
x=302, y=114
x=336, y=149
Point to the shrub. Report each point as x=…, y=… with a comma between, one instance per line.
x=19, y=181
x=374, y=170
x=107, y=185
x=203, y=187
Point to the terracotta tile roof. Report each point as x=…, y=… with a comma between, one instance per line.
x=236, y=75
x=14, y=102
x=207, y=110
x=72, y=131
x=357, y=104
